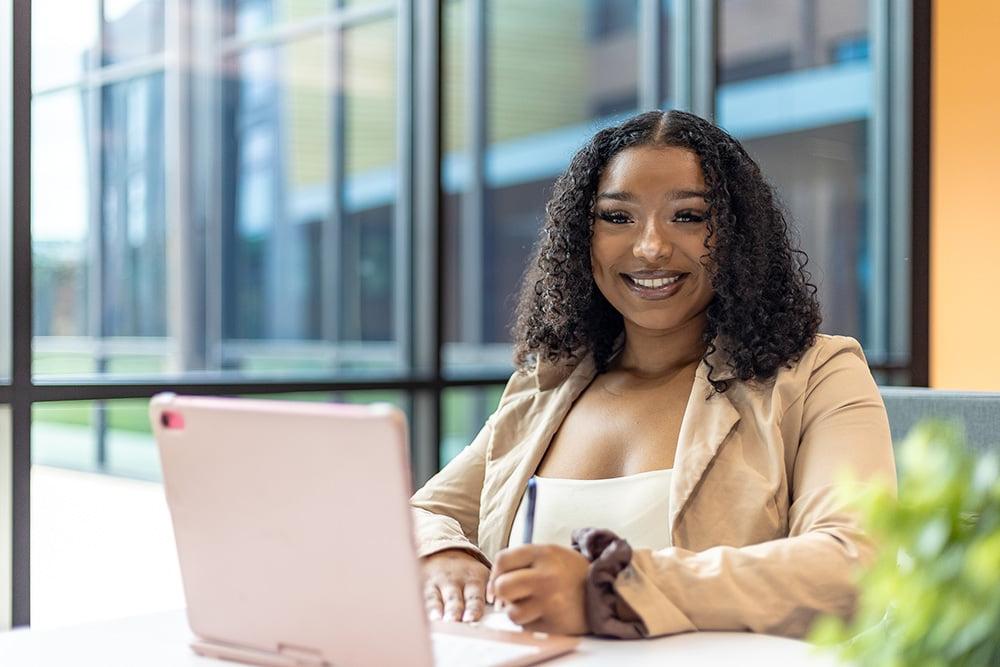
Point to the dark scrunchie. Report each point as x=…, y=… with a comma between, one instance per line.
x=607, y=614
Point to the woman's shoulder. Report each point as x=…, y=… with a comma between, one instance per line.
x=828, y=346
x=830, y=357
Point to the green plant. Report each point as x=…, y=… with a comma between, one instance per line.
x=932, y=597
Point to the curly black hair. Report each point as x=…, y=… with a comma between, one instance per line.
x=764, y=314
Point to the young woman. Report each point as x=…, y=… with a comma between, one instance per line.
x=686, y=422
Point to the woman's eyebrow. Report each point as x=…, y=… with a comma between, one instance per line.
x=673, y=194
x=617, y=196
x=686, y=194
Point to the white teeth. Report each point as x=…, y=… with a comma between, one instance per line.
x=656, y=282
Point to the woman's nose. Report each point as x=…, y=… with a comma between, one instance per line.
x=653, y=244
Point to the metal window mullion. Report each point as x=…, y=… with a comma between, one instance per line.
x=207, y=139
x=921, y=88
x=650, y=48
x=704, y=58
x=426, y=252
x=332, y=225
x=21, y=302
x=6, y=167
x=70, y=391
x=6, y=226
x=473, y=218
x=102, y=76
x=278, y=253
x=98, y=241
x=900, y=161
x=183, y=274
x=403, y=210
x=680, y=52
x=877, y=223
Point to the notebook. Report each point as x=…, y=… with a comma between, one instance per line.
x=295, y=542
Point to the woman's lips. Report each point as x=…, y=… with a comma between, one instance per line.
x=654, y=293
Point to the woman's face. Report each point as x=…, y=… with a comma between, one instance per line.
x=648, y=244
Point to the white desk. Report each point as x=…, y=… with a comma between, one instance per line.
x=161, y=640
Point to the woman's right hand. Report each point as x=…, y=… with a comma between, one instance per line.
x=454, y=585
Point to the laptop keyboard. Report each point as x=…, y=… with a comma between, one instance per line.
x=455, y=651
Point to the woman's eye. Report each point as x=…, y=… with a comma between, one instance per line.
x=689, y=216
x=614, y=217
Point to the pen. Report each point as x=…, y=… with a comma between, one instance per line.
x=529, y=529
x=529, y=519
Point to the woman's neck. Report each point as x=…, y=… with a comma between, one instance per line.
x=649, y=354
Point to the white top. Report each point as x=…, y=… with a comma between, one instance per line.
x=635, y=507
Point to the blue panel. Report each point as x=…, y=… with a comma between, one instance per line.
x=376, y=187
x=796, y=101
x=748, y=109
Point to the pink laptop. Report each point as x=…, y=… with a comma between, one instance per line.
x=293, y=531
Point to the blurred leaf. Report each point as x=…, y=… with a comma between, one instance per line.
x=932, y=597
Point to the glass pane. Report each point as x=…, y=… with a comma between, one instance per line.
x=552, y=78
x=280, y=129
x=251, y=16
x=132, y=29
x=365, y=3
x=574, y=62
x=87, y=319
x=61, y=188
x=310, y=280
x=279, y=185
x=369, y=191
x=820, y=175
x=799, y=95
x=133, y=210
x=63, y=41
x=759, y=38
x=102, y=545
x=463, y=413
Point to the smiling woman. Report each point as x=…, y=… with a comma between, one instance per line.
x=686, y=420
x=683, y=184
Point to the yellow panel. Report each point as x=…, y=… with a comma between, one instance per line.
x=965, y=169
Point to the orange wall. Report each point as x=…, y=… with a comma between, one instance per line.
x=965, y=195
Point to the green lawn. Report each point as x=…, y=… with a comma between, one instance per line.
x=463, y=409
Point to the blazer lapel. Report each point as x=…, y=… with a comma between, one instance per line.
x=708, y=419
x=538, y=420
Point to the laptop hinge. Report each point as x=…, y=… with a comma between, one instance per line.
x=304, y=657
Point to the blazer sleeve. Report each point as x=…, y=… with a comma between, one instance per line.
x=780, y=586
x=446, y=509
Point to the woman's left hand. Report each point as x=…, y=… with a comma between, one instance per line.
x=542, y=587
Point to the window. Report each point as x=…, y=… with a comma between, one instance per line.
x=803, y=96
x=231, y=197
x=525, y=85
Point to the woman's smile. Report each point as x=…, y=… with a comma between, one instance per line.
x=657, y=288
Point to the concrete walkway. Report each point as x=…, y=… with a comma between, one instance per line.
x=101, y=548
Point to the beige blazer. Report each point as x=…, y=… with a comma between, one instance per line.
x=761, y=539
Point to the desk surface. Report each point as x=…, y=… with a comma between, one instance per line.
x=161, y=640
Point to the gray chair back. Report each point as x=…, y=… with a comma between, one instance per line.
x=978, y=412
